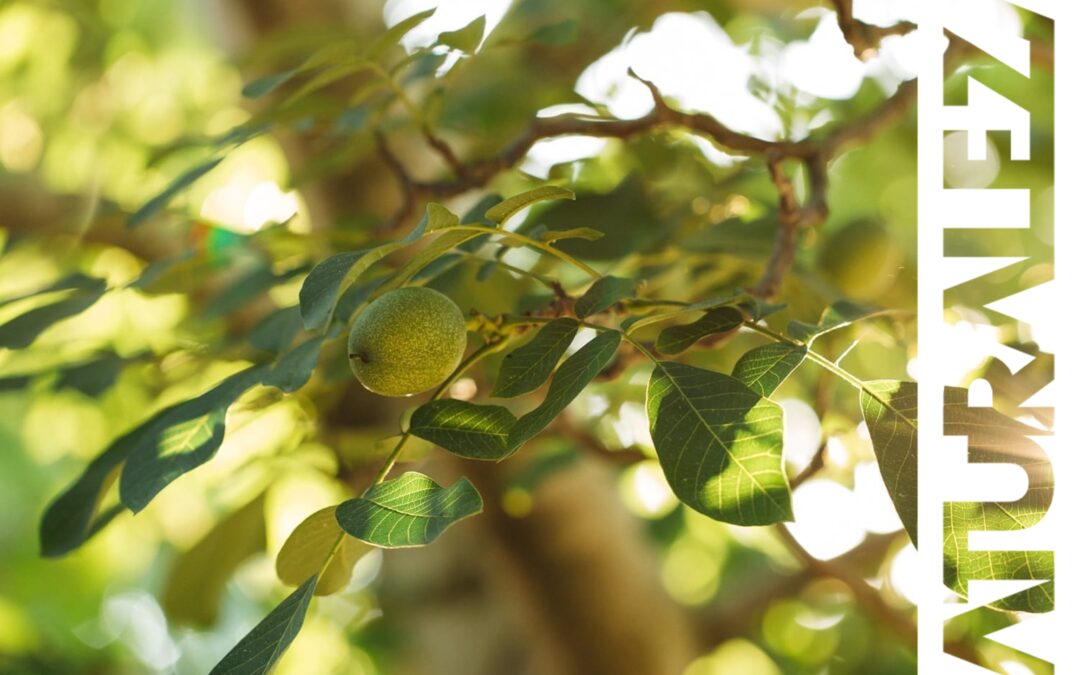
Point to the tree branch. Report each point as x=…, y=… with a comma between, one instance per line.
x=865, y=38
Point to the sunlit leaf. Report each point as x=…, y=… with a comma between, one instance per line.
x=329, y=280
x=765, y=368
x=75, y=281
x=24, y=329
x=465, y=39
x=569, y=380
x=720, y=445
x=260, y=649
x=890, y=408
x=394, y=34
x=179, y=439
x=502, y=212
x=174, y=188
x=677, y=339
x=604, y=293
x=465, y=429
x=198, y=577
x=305, y=553
x=995, y=438
x=586, y=233
x=411, y=510
x=529, y=366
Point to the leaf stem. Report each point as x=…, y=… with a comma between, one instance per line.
x=465, y=364
x=528, y=241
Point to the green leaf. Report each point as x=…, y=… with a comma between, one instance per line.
x=394, y=34
x=180, y=438
x=465, y=429
x=834, y=317
x=995, y=438
x=74, y=281
x=331, y=278
x=260, y=649
x=890, y=409
x=438, y=217
x=586, y=233
x=677, y=339
x=501, y=212
x=411, y=510
x=21, y=331
x=765, y=368
x=305, y=551
x=264, y=85
x=276, y=331
x=604, y=293
x=529, y=366
x=75, y=515
x=442, y=244
x=720, y=445
x=197, y=579
x=294, y=369
x=465, y=39
x=174, y=188
x=93, y=377
x=569, y=380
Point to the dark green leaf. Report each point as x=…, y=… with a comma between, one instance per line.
x=70, y=518
x=305, y=551
x=198, y=577
x=720, y=445
x=179, y=439
x=294, y=368
x=23, y=330
x=465, y=429
x=260, y=649
x=529, y=366
x=604, y=293
x=676, y=339
x=276, y=331
x=501, y=212
x=411, y=510
x=174, y=188
x=569, y=380
x=890, y=409
x=764, y=369
x=93, y=377
x=465, y=39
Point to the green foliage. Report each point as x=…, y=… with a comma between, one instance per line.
x=502, y=212
x=179, y=184
x=465, y=429
x=720, y=445
x=719, y=321
x=411, y=510
x=260, y=649
x=765, y=368
x=319, y=547
x=604, y=293
x=21, y=331
x=890, y=409
x=526, y=368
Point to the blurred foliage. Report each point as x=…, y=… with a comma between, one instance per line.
x=161, y=218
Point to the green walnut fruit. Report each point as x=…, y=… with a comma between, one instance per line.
x=407, y=341
x=861, y=259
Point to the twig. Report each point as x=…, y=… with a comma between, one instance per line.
x=865, y=38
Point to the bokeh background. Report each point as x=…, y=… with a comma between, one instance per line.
x=583, y=561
